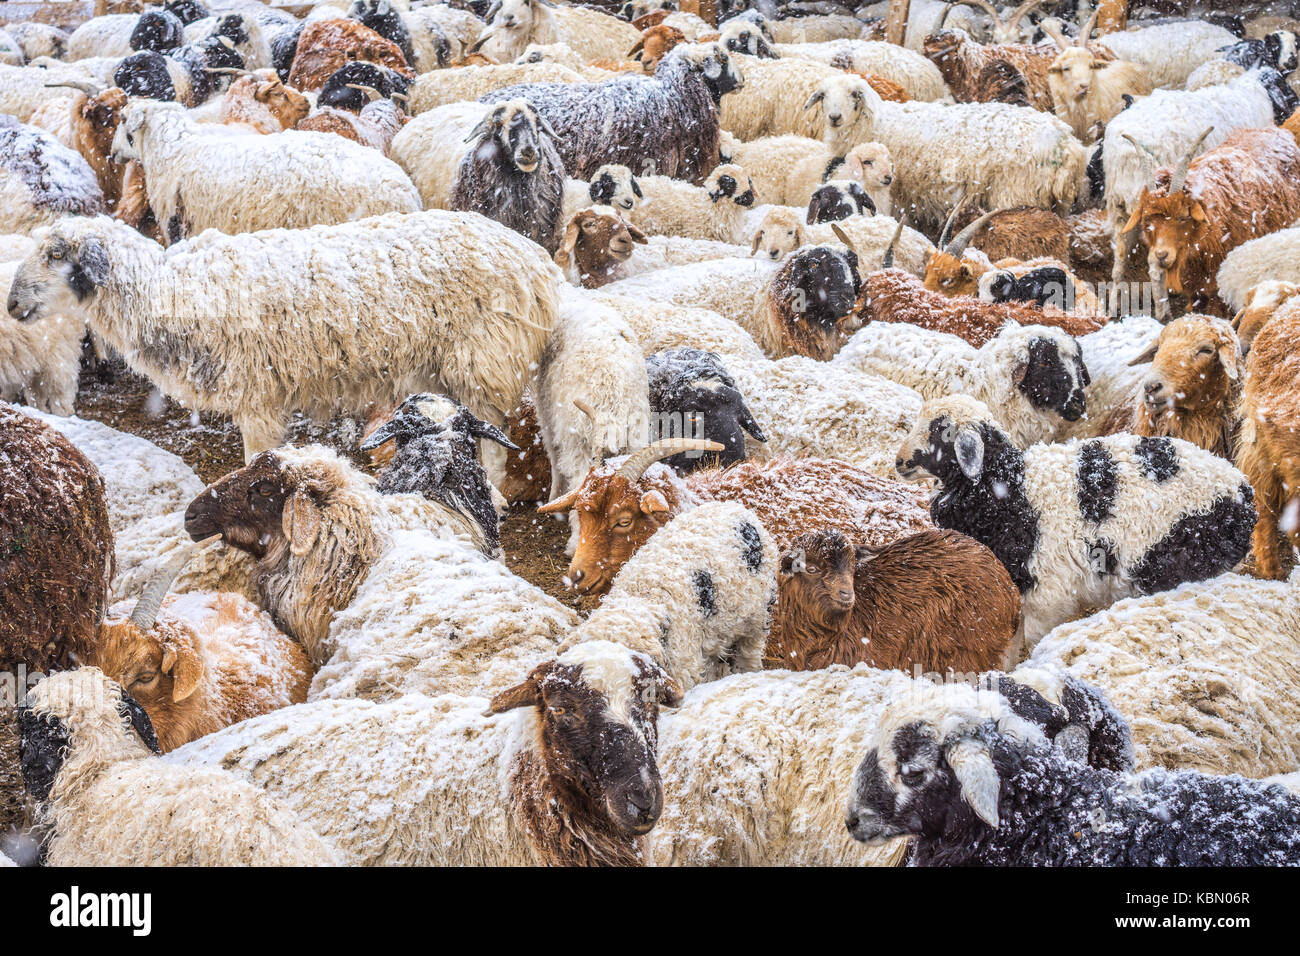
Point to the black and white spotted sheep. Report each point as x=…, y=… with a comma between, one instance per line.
x=697, y=597
x=1082, y=524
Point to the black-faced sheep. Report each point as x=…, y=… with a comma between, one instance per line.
x=692, y=395
x=839, y=199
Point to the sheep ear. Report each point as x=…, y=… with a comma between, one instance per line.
x=654, y=502
x=185, y=667
x=636, y=234
x=484, y=126
x=301, y=523
x=758, y=237
x=482, y=429
x=973, y=767
x=970, y=453
x=1148, y=354
x=1198, y=212
x=636, y=189
x=1135, y=219
x=1228, y=358
x=563, y=503
x=564, y=254
x=814, y=100
x=129, y=708
x=527, y=694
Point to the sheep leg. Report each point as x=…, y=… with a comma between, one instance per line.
x=1264, y=540
x=260, y=434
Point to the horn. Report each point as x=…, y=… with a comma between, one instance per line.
x=1060, y=39
x=947, y=226
x=1020, y=12
x=227, y=69
x=1151, y=161
x=146, y=608
x=888, y=261
x=943, y=18
x=1085, y=31
x=1180, y=174
x=986, y=7
x=372, y=94
x=840, y=235
x=84, y=86
x=585, y=409
x=963, y=238
x=639, y=461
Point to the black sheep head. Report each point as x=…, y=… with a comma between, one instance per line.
x=427, y=413
x=692, y=395
x=145, y=74
x=835, y=201
x=338, y=90
x=821, y=284
x=187, y=11
x=157, y=30
x=1052, y=375
x=379, y=15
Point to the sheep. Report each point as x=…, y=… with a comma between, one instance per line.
x=974, y=784
x=1272, y=257
x=619, y=507
x=1243, y=188
x=600, y=247
x=838, y=199
x=57, y=543
x=25, y=89
x=713, y=210
x=1278, y=49
x=1267, y=452
x=243, y=30
x=659, y=325
x=291, y=180
x=781, y=230
x=919, y=78
x=688, y=386
x=513, y=24
x=104, y=800
x=1197, y=671
x=995, y=73
x=42, y=180
x=441, y=33
x=199, y=662
x=443, y=87
x=189, y=76
x=157, y=30
x=870, y=165
x=39, y=40
x=1080, y=524
x=1108, y=355
x=40, y=363
x=591, y=393
x=393, y=25
x=777, y=97
x=102, y=36
x=260, y=101
x=696, y=598
x=784, y=169
x=557, y=769
x=481, y=284
x=1168, y=52
x=375, y=126
x=350, y=86
x=840, y=605
x=666, y=124
x=611, y=185
x=1088, y=89
x=1168, y=124
x=1034, y=375
x=332, y=552
x=436, y=455
x=325, y=46
x=87, y=122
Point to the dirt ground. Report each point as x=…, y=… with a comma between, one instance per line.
x=533, y=544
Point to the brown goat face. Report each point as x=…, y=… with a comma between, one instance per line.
x=1171, y=225
x=248, y=509
x=817, y=576
x=59, y=276
x=949, y=275
x=613, y=523
x=1188, y=376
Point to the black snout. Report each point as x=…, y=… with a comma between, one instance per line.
x=1075, y=406
x=199, y=524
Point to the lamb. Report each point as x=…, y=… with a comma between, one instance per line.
x=870, y=165
x=1080, y=524
x=492, y=286
x=1241, y=189
x=262, y=102
x=558, y=769
x=591, y=393
x=88, y=761
x=933, y=602
x=1088, y=89
x=1168, y=124
x=783, y=169
x=975, y=784
x=839, y=199
x=199, y=662
x=690, y=387
x=1268, y=453
x=1273, y=257
x=713, y=210
x=58, y=547
x=994, y=73
x=1197, y=671
x=436, y=455
x=39, y=363
x=1192, y=387
x=324, y=46
x=696, y=598
x=513, y=24
x=782, y=230
x=290, y=181
x=1034, y=375
x=620, y=507
x=332, y=552
x=443, y=87
x=666, y=124
x=42, y=180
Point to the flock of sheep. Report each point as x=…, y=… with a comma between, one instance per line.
x=922, y=417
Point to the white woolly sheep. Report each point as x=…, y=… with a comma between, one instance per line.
x=1272, y=257
x=200, y=177
x=1168, y=52
x=1080, y=524
x=611, y=185
x=105, y=800
x=467, y=83
x=558, y=769
x=919, y=77
x=42, y=180
x=593, y=34
x=480, y=284
x=714, y=210
x=39, y=363
x=662, y=325
x=775, y=98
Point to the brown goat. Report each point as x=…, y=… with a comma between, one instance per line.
x=1262, y=302
x=886, y=88
x=1270, y=436
x=1193, y=215
x=528, y=471
x=929, y=603
x=1022, y=234
x=655, y=42
x=1192, y=388
x=326, y=45
x=94, y=118
x=596, y=242
x=207, y=661
x=261, y=101
x=996, y=73
x=56, y=547
x=620, y=508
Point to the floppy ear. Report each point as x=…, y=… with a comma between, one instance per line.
x=758, y=237
x=301, y=522
x=970, y=453
x=1135, y=220
x=92, y=262
x=1198, y=211
x=654, y=502
x=635, y=52
x=527, y=694
x=483, y=128
x=482, y=429
x=386, y=432
x=564, y=255
x=1148, y=354
x=636, y=189
x=814, y=100
x=973, y=767
x=185, y=667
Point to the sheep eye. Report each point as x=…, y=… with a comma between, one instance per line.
x=1205, y=350
x=148, y=677
x=558, y=711
x=913, y=777
x=811, y=569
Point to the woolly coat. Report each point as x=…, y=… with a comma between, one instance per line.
x=914, y=73
x=593, y=34
x=442, y=87
x=42, y=180
x=1275, y=256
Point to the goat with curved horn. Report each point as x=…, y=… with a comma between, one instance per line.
x=585, y=409
x=1149, y=159
x=372, y=94
x=146, y=608
x=639, y=461
x=1021, y=12
x=963, y=238
x=952, y=216
x=1179, y=177
x=1085, y=31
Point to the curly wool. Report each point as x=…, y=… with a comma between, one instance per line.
x=593, y=34
x=468, y=83
x=919, y=77
x=1272, y=257
x=1169, y=52
x=39, y=363
x=42, y=180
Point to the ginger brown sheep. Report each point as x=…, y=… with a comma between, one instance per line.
x=260, y=101
x=56, y=547
x=326, y=45
x=1262, y=303
x=929, y=603
x=596, y=242
x=654, y=43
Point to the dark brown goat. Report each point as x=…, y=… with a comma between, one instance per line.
x=932, y=602
x=56, y=547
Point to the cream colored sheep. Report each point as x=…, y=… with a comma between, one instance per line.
x=468, y=83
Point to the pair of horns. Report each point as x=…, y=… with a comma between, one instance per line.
x=1179, y=177
x=1085, y=32
x=372, y=94
x=959, y=242
x=637, y=462
x=146, y=608
x=1017, y=15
